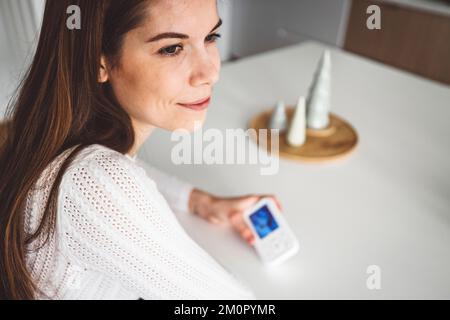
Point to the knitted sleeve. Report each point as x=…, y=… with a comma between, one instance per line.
x=113, y=220
x=176, y=191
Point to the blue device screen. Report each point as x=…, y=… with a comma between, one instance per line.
x=263, y=221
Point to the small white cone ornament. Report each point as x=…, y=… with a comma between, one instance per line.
x=318, y=101
x=278, y=120
x=297, y=130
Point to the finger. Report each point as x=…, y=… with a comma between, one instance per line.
x=237, y=221
x=244, y=230
x=247, y=235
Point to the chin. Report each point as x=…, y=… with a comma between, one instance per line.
x=194, y=125
x=189, y=123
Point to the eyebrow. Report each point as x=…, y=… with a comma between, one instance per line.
x=169, y=35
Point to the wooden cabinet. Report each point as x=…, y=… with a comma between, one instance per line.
x=410, y=39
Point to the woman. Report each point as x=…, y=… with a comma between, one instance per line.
x=80, y=217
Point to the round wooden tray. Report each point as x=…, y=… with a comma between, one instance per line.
x=335, y=142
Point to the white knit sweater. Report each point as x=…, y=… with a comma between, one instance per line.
x=117, y=237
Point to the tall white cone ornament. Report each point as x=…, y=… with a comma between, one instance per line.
x=278, y=120
x=297, y=130
x=318, y=101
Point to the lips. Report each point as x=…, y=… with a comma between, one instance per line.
x=197, y=102
x=197, y=105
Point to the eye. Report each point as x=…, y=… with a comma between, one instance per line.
x=170, y=51
x=213, y=37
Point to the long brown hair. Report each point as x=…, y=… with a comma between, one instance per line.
x=59, y=104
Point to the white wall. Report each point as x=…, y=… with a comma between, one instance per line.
x=38, y=11
x=261, y=25
x=225, y=12
x=19, y=27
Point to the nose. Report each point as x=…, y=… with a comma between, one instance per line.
x=206, y=68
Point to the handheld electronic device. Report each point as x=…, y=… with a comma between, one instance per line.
x=274, y=240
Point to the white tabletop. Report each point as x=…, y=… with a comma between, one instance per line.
x=388, y=204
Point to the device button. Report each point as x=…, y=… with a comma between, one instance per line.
x=278, y=247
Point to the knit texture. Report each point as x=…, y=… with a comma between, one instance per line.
x=117, y=237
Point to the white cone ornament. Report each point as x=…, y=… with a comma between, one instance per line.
x=318, y=101
x=297, y=130
x=278, y=120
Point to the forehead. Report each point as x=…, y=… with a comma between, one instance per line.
x=182, y=16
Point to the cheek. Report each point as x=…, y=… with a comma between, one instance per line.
x=162, y=80
x=150, y=94
x=169, y=85
x=140, y=88
x=129, y=85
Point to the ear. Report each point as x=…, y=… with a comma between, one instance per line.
x=103, y=73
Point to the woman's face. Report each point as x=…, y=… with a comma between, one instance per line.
x=154, y=78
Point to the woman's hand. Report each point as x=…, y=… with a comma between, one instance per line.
x=219, y=210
